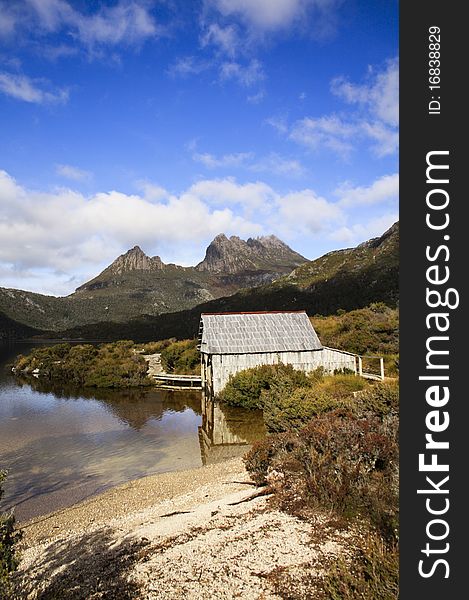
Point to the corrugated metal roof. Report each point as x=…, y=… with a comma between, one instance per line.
x=248, y=333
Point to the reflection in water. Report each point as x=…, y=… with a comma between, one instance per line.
x=62, y=444
x=133, y=406
x=227, y=432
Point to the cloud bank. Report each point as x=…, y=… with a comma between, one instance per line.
x=51, y=253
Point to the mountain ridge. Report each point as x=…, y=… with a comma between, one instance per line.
x=135, y=284
x=342, y=279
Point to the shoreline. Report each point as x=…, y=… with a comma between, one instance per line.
x=197, y=534
x=133, y=496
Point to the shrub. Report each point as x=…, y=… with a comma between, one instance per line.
x=287, y=406
x=114, y=365
x=373, y=573
x=259, y=459
x=9, y=537
x=342, y=385
x=337, y=462
x=154, y=347
x=371, y=330
x=380, y=399
x=284, y=411
x=181, y=357
x=245, y=388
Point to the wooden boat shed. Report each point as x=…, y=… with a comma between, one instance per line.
x=232, y=342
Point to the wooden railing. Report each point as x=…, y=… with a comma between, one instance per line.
x=379, y=376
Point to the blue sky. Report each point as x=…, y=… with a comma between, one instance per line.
x=165, y=122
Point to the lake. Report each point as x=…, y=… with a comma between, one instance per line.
x=62, y=445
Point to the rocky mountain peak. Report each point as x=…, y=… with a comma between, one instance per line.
x=234, y=255
x=220, y=239
x=229, y=264
x=135, y=259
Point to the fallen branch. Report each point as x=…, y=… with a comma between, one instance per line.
x=264, y=492
x=242, y=482
x=177, y=512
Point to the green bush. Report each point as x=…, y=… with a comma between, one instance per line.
x=289, y=406
x=9, y=537
x=371, y=330
x=115, y=365
x=154, y=347
x=380, y=399
x=342, y=385
x=284, y=411
x=245, y=388
x=181, y=357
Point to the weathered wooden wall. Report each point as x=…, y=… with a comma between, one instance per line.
x=224, y=365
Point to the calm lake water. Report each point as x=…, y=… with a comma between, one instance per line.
x=62, y=445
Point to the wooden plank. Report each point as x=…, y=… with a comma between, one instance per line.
x=179, y=387
x=193, y=378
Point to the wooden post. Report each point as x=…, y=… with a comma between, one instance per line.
x=360, y=366
x=381, y=364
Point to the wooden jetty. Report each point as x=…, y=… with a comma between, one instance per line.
x=170, y=381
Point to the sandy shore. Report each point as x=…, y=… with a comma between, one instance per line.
x=128, y=499
x=199, y=534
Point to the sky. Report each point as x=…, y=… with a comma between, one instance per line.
x=162, y=123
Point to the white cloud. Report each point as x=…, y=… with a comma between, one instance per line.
x=276, y=15
x=375, y=121
x=342, y=135
x=380, y=95
x=325, y=132
x=151, y=191
x=385, y=139
x=227, y=191
x=7, y=21
x=360, y=232
x=227, y=160
x=245, y=75
x=273, y=163
x=278, y=123
x=278, y=165
x=188, y=65
x=30, y=90
x=226, y=39
x=128, y=22
x=53, y=241
x=74, y=173
x=256, y=98
x=384, y=189
x=306, y=212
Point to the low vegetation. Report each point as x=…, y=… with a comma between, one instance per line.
x=245, y=389
x=290, y=398
x=373, y=574
x=364, y=331
x=9, y=537
x=115, y=365
x=181, y=357
x=333, y=448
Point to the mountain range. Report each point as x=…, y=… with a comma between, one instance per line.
x=136, y=284
x=126, y=299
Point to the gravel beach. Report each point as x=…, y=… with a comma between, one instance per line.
x=206, y=533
